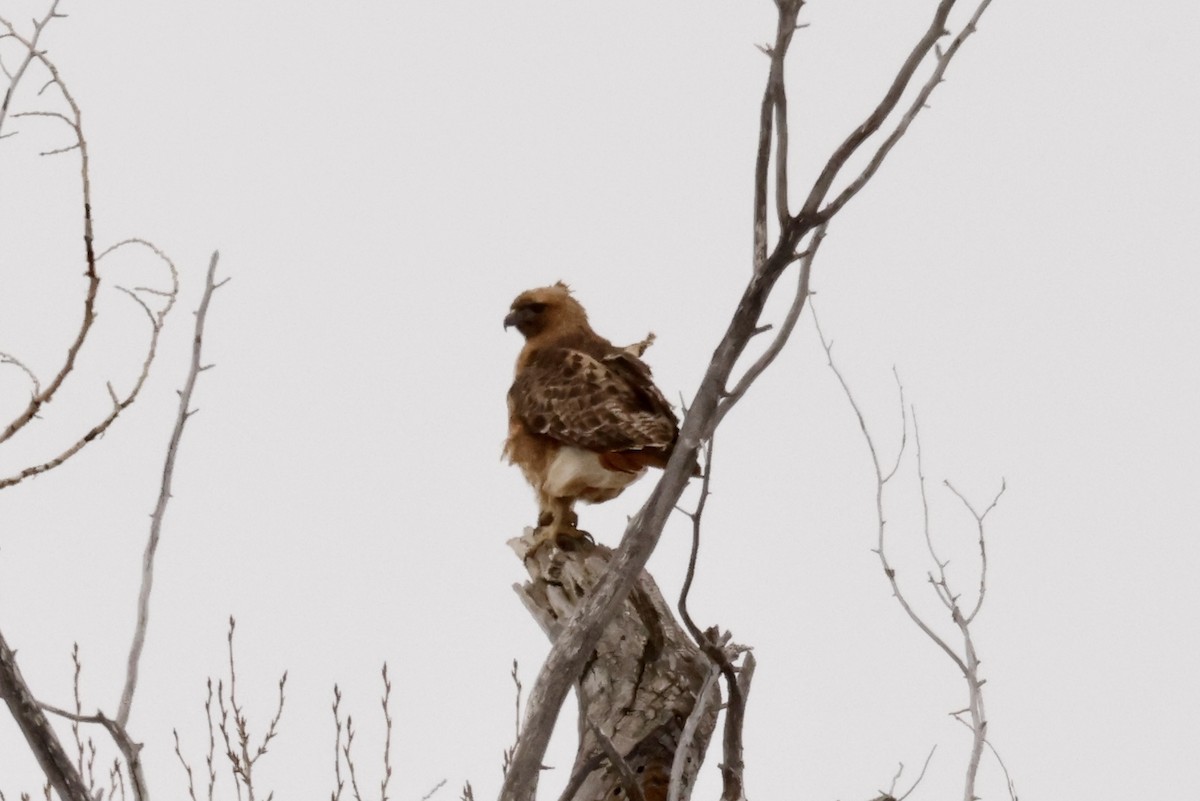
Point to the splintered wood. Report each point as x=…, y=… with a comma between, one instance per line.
x=639, y=688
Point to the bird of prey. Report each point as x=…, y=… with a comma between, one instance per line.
x=585, y=419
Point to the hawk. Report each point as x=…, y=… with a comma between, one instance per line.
x=585, y=419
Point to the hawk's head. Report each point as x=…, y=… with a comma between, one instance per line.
x=547, y=308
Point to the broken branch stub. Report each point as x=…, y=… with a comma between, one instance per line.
x=639, y=686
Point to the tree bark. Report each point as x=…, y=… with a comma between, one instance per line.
x=639, y=686
x=42, y=739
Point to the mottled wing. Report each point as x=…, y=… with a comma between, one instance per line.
x=599, y=404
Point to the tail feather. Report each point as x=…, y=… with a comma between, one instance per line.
x=636, y=461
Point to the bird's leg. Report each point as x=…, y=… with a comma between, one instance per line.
x=558, y=523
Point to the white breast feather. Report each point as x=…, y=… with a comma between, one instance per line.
x=574, y=469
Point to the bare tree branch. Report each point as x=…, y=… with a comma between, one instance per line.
x=508, y=752
x=236, y=735
x=919, y=103
x=346, y=751
x=774, y=108
x=31, y=52
x=821, y=187
x=579, y=636
x=157, y=321
x=187, y=768
x=164, y=496
x=337, y=745
x=434, y=790
x=924, y=768
x=7, y=358
x=968, y=661
x=130, y=750
x=387, y=742
x=93, y=278
x=42, y=739
x=880, y=482
x=983, y=559
x=782, y=335
x=714, y=648
x=1012, y=789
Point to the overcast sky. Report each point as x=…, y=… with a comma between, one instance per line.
x=381, y=179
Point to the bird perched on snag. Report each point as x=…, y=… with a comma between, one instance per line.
x=585, y=419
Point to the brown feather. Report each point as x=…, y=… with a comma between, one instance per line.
x=632, y=461
x=573, y=389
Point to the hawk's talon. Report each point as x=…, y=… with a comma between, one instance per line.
x=568, y=539
x=561, y=535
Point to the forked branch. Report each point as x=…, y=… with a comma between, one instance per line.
x=42, y=739
x=130, y=751
x=34, y=53
x=967, y=660
x=715, y=646
x=579, y=636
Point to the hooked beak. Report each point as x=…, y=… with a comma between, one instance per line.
x=516, y=317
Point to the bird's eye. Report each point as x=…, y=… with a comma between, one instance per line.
x=536, y=308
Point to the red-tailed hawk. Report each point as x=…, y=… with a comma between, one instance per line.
x=584, y=417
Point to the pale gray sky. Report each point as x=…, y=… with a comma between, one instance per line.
x=382, y=179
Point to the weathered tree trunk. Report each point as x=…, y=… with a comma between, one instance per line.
x=638, y=690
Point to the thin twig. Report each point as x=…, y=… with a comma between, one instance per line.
x=517, y=703
x=696, y=517
x=1012, y=789
x=970, y=672
x=92, y=434
x=78, y=665
x=350, y=759
x=735, y=708
x=508, y=752
x=434, y=790
x=187, y=768
x=31, y=51
x=919, y=103
x=236, y=766
x=337, y=745
x=924, y=768
x=968, y=661
x=34, y=52
x=881, y=521
x=116, y=782
x=983, y=558
x=164, y=496
x=903, y=425
x=7, y=358
x=210, y=757
x=881, y=112
x=387, y=744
